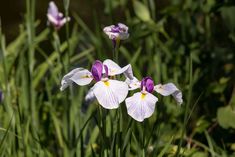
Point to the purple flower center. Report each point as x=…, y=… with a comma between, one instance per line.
x=59, y=18
x=115, y=29
x=96, y=70
x=147, y=84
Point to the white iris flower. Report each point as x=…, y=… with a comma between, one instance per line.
x=119, y=31
x=116, y=33
x=109, y=93
x=55, y=17
x=142, y=104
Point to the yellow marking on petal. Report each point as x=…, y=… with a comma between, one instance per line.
x=113, y=70
x=85, y=76
x=142, y=96
x=106, y=83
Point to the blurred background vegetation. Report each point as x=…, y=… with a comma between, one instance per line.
x=188, y=42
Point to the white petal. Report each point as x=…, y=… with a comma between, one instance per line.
x=52, y=19
x=113, y=68
x=83, y=77
x=178, y=97
x=112, y=35
x=79, y=75
x=166, y=89
x=133, y=84
x=120, y=89
x=127, y=70
x=169, y=89
x=110, y=93
x=65, y=82
x=141, y=106
x=108, y=28
x=52, y=9
x=123, y=27
x=124, y=31
x=63, y=21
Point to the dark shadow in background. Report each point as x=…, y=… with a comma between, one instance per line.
x=12, y=13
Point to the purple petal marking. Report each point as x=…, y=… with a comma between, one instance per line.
x=106, y=70
x=147, y=84
x=115, y=29
x=96, y=70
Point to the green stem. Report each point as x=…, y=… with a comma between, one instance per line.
x=143, y=152
x=66, y=8
x=69, y=106
x=30, y=6
x=187, y=107
x=7, y=98
x=57, y=45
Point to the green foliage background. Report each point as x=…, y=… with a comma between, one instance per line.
x=187, y=42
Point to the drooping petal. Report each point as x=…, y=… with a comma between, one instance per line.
x=110, y=93
x=178, y=97
x=79, y=75
x=65, y=82
x=166, y=89
x=96, y=70
x=133, y=84
x=53, y=10
x=141, y=105
x=123, y=29
x=169, y=89
x=127, y=70
x=90, y=96
x=83, y=77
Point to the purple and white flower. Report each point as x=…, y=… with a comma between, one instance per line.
x=142, y=104
x=55, y=17
x=117, y=32
x=109, y=92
